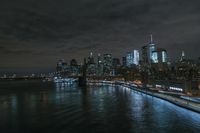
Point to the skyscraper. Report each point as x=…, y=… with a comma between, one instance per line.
x=136, y=57
x=99, y=65
x=159, y=56
x=145, y=55
x=61, y=65
x=107, y=63
x=155, y=56
x=91, y=59
x=116, y=62
x=132, y=58
x=129, y=59
x=91, y=68
x=152, y=48
x=123, y=61
x=74, y=67
x=164, y=55
x=99, y=60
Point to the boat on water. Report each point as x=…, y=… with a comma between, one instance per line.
x=64, y=80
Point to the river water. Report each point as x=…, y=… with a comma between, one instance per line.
x=37, y=107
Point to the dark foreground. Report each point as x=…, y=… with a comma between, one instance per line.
x=36, y=107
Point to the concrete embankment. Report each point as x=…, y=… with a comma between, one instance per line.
x=175, y=100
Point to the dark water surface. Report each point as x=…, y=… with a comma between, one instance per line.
x=36, y=107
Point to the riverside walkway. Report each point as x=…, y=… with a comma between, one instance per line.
x=185, y=103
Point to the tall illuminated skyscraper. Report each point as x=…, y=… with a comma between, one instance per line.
x=152, y=48
x=164, y=56
x=132, y=58
x=155, y=56
x=159, y=56
x=129, y=59
x=136, y=57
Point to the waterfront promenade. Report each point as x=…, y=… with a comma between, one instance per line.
x=188, y=104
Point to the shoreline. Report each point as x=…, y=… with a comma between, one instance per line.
x=174, y=100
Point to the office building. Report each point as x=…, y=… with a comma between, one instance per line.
x=145, y=55
x=159, y=56
x=91, y=59
x=107, y=63
x=132, y=58
x=116, y=62
x=91, y=66
x=123, y=61
x=152, y=47
x=99, y=65
x=129, y=59
x=61, y=65
x=136, y=57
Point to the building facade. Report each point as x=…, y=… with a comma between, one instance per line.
x=132, y=58
x=107, y=64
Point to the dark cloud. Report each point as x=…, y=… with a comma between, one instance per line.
x=47, y=30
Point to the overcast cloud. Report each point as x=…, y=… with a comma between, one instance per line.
x=35, y=33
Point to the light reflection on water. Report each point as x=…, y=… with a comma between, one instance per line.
x=46, y=107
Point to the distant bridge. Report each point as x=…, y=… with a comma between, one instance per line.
x=24, y=78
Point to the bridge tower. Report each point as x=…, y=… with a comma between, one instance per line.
x=82, y=79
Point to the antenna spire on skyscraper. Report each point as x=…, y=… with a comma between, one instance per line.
x=151, y=38
x=182, y=55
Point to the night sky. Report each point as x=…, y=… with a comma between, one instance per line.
x=34, y=34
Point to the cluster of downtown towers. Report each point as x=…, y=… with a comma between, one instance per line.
x=151, y=66
x=107, y=65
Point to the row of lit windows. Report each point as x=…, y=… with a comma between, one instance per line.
x=175, y=88
x=171, y=88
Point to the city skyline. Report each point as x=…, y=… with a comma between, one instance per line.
x=34, y=35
